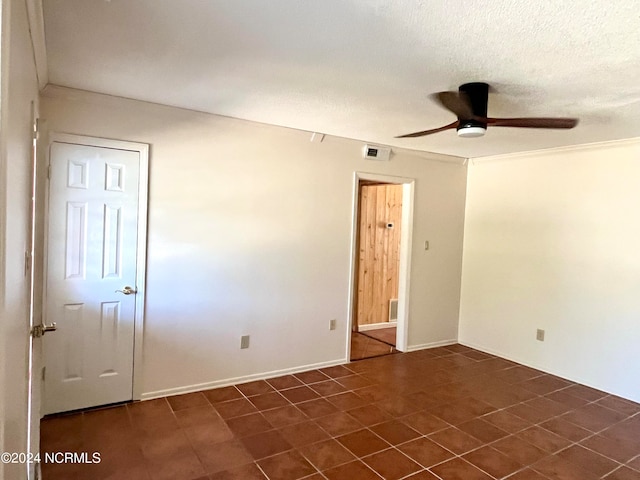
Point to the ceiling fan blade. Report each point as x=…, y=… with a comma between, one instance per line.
x=531, y=122
x=456, y=102
x=429, y=132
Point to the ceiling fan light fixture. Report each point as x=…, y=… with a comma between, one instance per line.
x=471, y=131
x=469, y=104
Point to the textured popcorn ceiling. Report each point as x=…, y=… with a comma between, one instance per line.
x=363, y=69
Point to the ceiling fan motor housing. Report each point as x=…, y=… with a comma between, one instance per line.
x=478, y=94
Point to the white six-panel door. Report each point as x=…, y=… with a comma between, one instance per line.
x=91, y=253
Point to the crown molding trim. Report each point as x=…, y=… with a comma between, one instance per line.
x=551, y=151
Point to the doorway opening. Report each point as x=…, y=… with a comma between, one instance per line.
x=382, y=232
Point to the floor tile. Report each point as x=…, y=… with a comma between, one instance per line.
x=165, y=444
x=626, y=431
x=506, y=421
x=517, y=374
x=461, y=411
x=188, y=400
x=223, y=394
x=594, y=417
x=337, y=372
x=394, y=432
x=286, y=381
x=280, y=417
x=363, y=442
x=265, y=444
x=391, y=464
x=248, y=424
x=589, y=460
x=353, y=382
x=149, y=408
x=206, y=435
x=326, y=454
x=338, y=423
x=544, y=384
x=351, y=471
x=527, y=474
x=624, y=473
x=619, y=404
x=224, y=456
x=245, y=472
x=483, y=431
x=318, y=407
x=613, y=448
x=519, y=450
x=423, y=475
x=267, y=401
x=299, y=394
x=286, y=466
x=634, y=463
x=455, y=440
x=189, y=417
x=557, y=468
x=582, y=391
x=544, y=439
x=458, y=469
x=426, y=452
x=571, y=401
x=548, y=405
x=235, y=408
x=493, y=462
x=303, y=433
x=424, y=422
x=347, y=400
x=397, y=406
x=327, y=387
x=151, y=426
x=312, y=376
x=180, y=466
x=369, y=415
x=254, y=388
x=529, y=413
x=566, y=429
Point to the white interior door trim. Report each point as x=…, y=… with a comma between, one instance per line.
x=404, y=273
x=141, y=247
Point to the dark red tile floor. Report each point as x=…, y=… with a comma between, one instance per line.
x=449, y=413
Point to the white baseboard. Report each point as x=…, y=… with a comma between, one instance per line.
x=237, y=380
x=424, y=346
x=376, y=326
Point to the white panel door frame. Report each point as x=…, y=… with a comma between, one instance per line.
x=141, y=247
x=404, y=273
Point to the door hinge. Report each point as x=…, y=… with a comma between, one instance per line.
x=36, y=128
x=44, y=372
x=27, y=262
x=49, y=172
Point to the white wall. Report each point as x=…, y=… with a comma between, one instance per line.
x=250, y=233
x=19, y=89
x=551, y=242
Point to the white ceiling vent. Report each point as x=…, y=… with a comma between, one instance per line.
x=374, y=152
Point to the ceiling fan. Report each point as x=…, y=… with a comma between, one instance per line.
x=469, y=104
